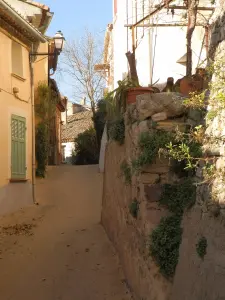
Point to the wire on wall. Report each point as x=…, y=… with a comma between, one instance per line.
x=12, y=94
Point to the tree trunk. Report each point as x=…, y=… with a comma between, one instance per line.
x=94, y=118
x=132, y=64
x=192, y=17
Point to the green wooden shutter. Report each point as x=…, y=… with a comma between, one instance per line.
x=18, y=152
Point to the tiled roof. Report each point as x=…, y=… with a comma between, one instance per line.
x=37, y=4
x=7, y=2
x=77, y=123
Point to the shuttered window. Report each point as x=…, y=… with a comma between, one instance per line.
x=17, y=59
x=18, y=147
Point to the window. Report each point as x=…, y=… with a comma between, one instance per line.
x=17, y=59
x=18, y=147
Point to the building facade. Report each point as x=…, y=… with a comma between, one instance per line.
x=44, y=67
x=76, y=119
x=17, y=36
x=159, y=41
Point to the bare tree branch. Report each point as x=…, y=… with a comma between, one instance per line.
x=192, y=17
x=79, y=60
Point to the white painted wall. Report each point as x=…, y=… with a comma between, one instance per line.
x=69, y=148
x=102, y=150
x=119, y=42
x=158, y=49
x=68, y=112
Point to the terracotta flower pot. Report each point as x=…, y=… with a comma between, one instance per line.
x=134, y=92
x=190, y=85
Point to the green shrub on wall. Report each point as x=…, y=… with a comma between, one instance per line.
x=178, y=197
x=149, y=145
x=41, y=150
x=116, y=130
x=99, y=119
x=45, y=107
x=201, y=247
x=126, y=171
x=134, y=208
x=165, y=240
x=86, y=148
x=165, y=244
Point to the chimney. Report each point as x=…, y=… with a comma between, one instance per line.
x=83, y=101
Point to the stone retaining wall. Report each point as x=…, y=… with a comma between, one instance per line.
x=131, y=236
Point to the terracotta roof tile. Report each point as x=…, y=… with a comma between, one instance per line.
x=22, y=16
x=40, y=5
x=76, y=124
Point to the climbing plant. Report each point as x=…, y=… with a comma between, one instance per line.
x=149, y=146
x=126, y=171
x=179, y=196
x=41, y=149
x=165, y=240
x=45, y=103
x=45, y=107
x=201, y=247
x=188, y=148
x=116, y=130
x=134, y=208
x=164, y=244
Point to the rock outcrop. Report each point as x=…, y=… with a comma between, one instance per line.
x=170, y=104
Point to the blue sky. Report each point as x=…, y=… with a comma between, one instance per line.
x=71, y=17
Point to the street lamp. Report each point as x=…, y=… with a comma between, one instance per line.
x=59, y=44
x=58, y=47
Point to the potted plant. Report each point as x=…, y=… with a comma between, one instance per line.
x=132, y=93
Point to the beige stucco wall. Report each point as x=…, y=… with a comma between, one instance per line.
x=13, y=195
x=41, y=65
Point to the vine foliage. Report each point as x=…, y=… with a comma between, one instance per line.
x=45, y=108
x=165, y=243
x=201, y=247
x=41, y=149
x=149, y=146
x=165, y=240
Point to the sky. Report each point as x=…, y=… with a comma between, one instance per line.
x=72, y=17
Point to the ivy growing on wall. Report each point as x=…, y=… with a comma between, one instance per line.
x=149, y=145
x=187, y=148
x=201, y=247
x=116, y=130
x=134, y=208
x=179, y=196
x=41, y=149
x=45, y=107
x=126, y=171
x=165, y=240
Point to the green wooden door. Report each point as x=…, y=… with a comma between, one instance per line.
x=18, y=152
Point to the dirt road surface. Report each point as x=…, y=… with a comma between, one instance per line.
x=58, y=250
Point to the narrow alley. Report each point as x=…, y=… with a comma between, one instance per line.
x=58, y=250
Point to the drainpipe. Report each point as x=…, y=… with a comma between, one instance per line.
x=33, y=131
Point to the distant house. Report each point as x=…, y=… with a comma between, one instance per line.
x=77, y=119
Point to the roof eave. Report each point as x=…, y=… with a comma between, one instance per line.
x=22, y=21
